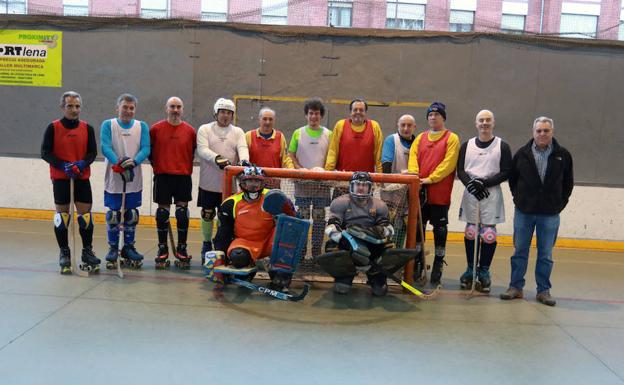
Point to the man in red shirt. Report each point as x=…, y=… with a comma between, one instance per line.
x=173, y=143
x=69, y=147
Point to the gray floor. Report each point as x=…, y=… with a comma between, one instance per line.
x=171, y=328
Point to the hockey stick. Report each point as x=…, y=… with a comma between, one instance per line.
x=271, y=292
x=171, y=239
x=422, y=280
x=422, y=295
x=475, y=257
x=74, y=260
x=122, y=229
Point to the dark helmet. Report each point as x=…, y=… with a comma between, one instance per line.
x=250, y=173
x=359, y=179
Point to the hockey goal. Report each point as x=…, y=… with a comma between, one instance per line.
x=312, y=192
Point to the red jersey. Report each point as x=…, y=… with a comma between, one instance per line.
x=430, y=155
x=173, y=148
x=357, y=149
x=70, y=145
x=266, y=152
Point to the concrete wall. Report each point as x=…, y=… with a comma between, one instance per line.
x=586, y=217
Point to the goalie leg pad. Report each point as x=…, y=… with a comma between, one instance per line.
x=276, y=202
x=291, y=236
x=338, y=264
x=394, y=259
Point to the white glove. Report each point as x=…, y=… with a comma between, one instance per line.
x=388, y=231
x=333, y=233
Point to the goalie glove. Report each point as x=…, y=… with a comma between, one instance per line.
x=333, y=232
x=388, y=231
x=222, y=162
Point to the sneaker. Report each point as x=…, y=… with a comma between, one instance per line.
x=545, y=298
x=511, y=293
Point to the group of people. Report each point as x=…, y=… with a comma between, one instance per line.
x=539, y=174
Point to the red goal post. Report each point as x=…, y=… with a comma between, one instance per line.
x=411, y=181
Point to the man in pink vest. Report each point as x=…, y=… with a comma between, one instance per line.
x=433, y=157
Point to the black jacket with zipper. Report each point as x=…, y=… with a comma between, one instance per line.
x=530, y=194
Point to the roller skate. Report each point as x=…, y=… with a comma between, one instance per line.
x=131, y=257
x=65, y=260
x=183, y=260
x=162, y=257
x=465, y=281
x=90, y=262
x=485, y=281
x=111, y=257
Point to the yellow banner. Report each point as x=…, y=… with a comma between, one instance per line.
x=31, y=58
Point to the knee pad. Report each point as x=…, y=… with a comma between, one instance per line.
x=113, y=217
x=162, y=217
x=182, y=216
x=85, y=221
x=61, y=221
x=206, y=214
x=131, y=217
x=240, y=257
x=488, y=234
x=318, y=214
x=471, y=231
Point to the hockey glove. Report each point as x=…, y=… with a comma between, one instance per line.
x=475, y=187
x=334, y=233
x=245, y=163
x=71, y=170
x=127, y=163
x=222, y=162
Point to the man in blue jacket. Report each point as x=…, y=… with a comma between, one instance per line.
x=541, y=182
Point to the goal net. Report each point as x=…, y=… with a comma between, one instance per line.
x=312, y=192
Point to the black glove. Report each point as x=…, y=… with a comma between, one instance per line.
x=222, y=162
x=482, y=195
x=475, y=186
x=245, y=163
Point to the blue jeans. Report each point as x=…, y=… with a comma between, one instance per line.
x=546, y=228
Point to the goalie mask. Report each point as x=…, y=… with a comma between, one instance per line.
x=361, y=186
x=251, y=181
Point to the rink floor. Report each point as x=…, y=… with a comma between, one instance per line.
x=170, y=327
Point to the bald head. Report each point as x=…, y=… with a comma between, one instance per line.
x=485, y=125
x=406, y=126
x=174, y=109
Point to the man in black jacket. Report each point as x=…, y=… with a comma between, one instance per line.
x=541, y=181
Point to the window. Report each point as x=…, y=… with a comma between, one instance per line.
x=154, y=9
x=579, y=26
x=275, y=12
x=13, y=7
x=461, y=21
x=339, y=13
x=404, y=14
x=214, y=10
x=76, y=7
x=512, y=23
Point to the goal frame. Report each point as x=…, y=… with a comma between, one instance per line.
x=411, y=180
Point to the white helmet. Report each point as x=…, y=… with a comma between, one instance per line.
x=224, y=104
